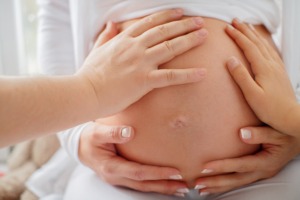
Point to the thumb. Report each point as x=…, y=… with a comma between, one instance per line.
x=261, y=135
x=108, y=33
x=112, y=134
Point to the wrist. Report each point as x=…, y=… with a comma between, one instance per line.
x=91, y=89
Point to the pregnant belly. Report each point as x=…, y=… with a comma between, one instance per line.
x=185, y=126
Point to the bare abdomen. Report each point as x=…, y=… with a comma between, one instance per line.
x=188, y=125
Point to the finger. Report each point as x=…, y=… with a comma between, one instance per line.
x=250, y=50
x=135, y=171
x=153, y=20
x=166, y=77
x=271, y=49
x=262, y=135
x=108, y=33
x=245, y=29
x=243, y=164
x=223, y=183
x=162, y=186
x=112, y=134
x=166, y=31
x=169, y=49
x=242, y=77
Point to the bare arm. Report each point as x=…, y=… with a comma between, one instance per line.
x=114, y=76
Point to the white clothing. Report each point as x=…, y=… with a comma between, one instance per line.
x=67, y=31
x=283, y=186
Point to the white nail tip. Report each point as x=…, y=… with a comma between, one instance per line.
x=199, y=187
x=176, y=177
x=246, y=134
x=207, y=171
x=126, y=132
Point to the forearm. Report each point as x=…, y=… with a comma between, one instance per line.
x=69, y=100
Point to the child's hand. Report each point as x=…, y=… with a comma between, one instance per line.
x=269, y=91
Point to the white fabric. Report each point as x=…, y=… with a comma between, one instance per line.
x=283, y=186
x=50, y=181
x=68, y=28
x=69, y=140
x=291, y=41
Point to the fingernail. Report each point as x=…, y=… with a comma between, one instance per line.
x=198, y=20
x=204, y=194
x=238, y=20
x=178, y=12
x=207, y=171
x=233, y=63
x=246, y=134
x=176, y=177
x=251, y=27
x=230, y=26
x=199, y=187
x=126, y=132
x=202, y=33
x=182, y=190
x=179, y=194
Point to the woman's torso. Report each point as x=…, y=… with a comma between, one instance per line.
x=186, y=126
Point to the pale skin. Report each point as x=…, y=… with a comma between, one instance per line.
x=97, y=151
x=270, y=95
x=277, y=148
x=113, y=77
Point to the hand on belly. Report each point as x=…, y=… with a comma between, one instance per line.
x=186, y=126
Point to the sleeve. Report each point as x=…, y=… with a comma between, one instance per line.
x=291, y=42
x=55, y=41
x=56, y=55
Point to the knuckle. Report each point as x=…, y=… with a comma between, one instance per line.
x=169, y=47
x=148, y=21
x=170, y=76
x=163, y=30
x=113, y=133
x=139, y=175
x=107, y=170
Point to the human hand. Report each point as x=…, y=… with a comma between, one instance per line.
x=276, y=151
x=125, y=68
x=269, y=92
x=97, y=151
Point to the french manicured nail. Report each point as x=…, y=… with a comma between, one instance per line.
x=230, y=26
x=233, y=62
x=198, y=20
x=179, y=194
x=182, y=190
x=176, y=177
x=126, y=132
x=246, y=134
x=204, y=194
x=207, y=171
x=199, y=187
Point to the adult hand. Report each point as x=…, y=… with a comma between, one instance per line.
x=97, y=151
x=269, y=92
x=276, y=151
x=124, y=69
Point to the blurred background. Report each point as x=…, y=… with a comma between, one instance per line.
x=18, y=22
